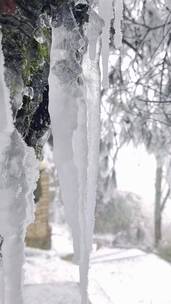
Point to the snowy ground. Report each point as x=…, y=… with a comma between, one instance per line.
x=117, y=276
x=61, y=293
x=130, y=276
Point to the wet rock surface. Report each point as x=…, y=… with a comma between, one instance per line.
x=26, y=28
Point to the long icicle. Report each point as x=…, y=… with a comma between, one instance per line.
x=106, y=13
x=118, y=23
x=74, y=110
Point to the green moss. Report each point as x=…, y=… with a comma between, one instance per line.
x=34, y=57
x=43, y=52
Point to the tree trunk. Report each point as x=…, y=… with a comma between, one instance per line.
x=157, y=207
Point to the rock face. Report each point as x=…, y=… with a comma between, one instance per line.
x=39, y=233
x=26, y=45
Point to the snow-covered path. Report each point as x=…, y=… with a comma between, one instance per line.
x=61, y=293
x=117, y=276
x=129, y=276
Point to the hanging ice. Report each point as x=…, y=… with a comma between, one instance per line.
x=63, y=110
x=105, y=12
x=91, y=72
x=118, y=22
x=93, y=32
x=19, y=172
x=74, y=110
x=168, y=4
x=6, y=125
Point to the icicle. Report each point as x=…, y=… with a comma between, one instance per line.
x=105, y=12
x=93, y=33
x=18, y=167
x=63, y=110
x=80, y=147
x=69, y=127
x=6, y=125
x=118, y=22
x=74, y=110
x=92, y=81
x=168, y=4
x=17, y=162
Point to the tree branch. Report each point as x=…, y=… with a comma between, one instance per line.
x=165, y=200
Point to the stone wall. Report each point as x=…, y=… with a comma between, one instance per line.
x=39, y=233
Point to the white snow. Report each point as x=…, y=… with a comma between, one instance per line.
x=61, y=293
x=117, y=276
x=129, y=276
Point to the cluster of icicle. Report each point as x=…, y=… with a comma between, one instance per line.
x=108, y=10
x=18, y=172
x=75, y=87
x=75, y=84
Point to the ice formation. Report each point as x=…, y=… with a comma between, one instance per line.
x=63, y=111
x=19, y=172
x=6, y=125
x=92, y=82
x=106, y=13
x=168, y=4
x=75, y=118
x=118, y=23
x=74, y=109
x=93, y=33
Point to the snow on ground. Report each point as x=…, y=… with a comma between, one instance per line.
x=129, y=276
x=117, y=276
x=61, y=293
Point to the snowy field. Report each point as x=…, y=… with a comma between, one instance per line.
x=117, y=276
